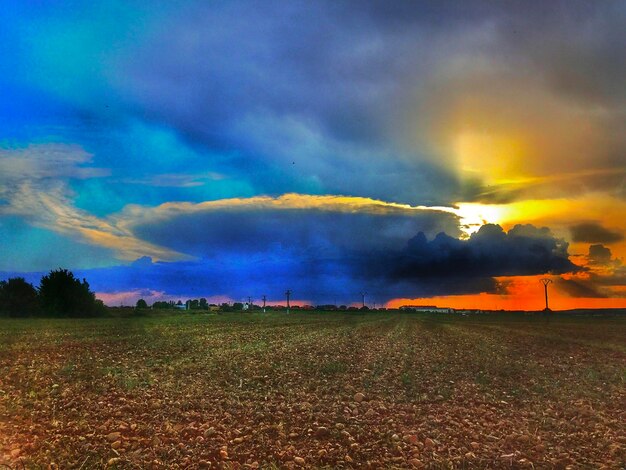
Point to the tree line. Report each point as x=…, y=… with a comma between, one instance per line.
x=59, y=293
x=191, y=304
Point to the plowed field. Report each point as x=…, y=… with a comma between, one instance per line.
x=314, y=390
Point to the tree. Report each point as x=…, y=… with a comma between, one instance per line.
x=63, y=294
x=18, y=298
x=161, y=304
x=203, y=304
x=141, y=304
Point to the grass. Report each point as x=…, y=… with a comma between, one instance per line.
x=253, y=389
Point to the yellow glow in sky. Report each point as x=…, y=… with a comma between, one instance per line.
x=473, y=215
x=558, y=214
x=491, y=157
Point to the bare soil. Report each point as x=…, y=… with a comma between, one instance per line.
x=314, y=390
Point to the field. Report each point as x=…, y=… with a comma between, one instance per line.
x=314, y=390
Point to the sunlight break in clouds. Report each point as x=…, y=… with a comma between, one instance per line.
x=134, y=215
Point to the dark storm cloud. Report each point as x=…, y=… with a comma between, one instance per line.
x=599, y=254
x=330, y=265
x=303, y=231
x=490, y=252
x=241, y=257
x=591, y=232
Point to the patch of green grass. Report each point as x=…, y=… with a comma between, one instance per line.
x=333, y=368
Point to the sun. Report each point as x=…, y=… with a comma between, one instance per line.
x=473, y=215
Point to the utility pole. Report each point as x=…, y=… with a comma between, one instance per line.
x=288, y=294
x=363, y=299
x=545, y=281
x=264, y=299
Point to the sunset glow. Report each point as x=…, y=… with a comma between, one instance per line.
x=521, y=294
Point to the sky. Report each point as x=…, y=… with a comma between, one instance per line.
x=428, y=153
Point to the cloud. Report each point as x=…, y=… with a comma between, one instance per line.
x=591, y=232
x=305, y=227
x=441, y=266
x=34, y=187
x=463, y=266
x=410, y=107
x=322, y=246
x=175, y=180
x=408, y=102
x=43, y=161
x=547, y=187
x=599, y=254
x=361, y=94
x=603, y=276
x=134, y=215
x=580, y=288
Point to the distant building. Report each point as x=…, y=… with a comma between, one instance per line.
x=426, y=308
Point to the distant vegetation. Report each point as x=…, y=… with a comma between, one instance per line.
x=202, y=304
x=60, y=293
x=18, y=297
